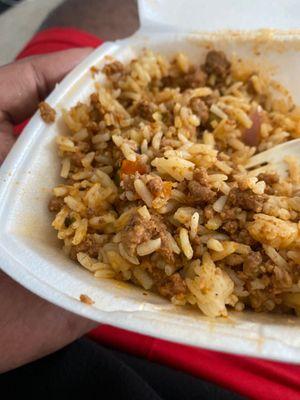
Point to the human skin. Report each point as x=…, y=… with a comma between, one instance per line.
x=30, y=326
x=108, y=19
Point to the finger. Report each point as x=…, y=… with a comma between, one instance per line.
x=7, y=141
x=25, y=83
x=31, y=327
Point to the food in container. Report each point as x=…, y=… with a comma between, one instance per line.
x=156, y=190
x=30, y=251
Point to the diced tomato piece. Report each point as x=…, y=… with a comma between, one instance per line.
x=167, y=189
x=131, y=167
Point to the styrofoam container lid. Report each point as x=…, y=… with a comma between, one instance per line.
x=29, y=250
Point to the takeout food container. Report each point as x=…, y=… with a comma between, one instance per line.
x=29, y=250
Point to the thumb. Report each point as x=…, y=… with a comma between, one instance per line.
x=7, y=139
x=25, y=83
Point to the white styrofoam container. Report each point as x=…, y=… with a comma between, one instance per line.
x=29, y=250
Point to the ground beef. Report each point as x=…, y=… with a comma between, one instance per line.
x=269, y=190
x=135, y=233
x=172, y=286
x=229, y=213
x=171, y=81
x=246, y=199
x=200, y=175
x=115, y=67
x=84, y=147
x=211, y=99
x=243, y=236
x=157, y=274
x=70, y=181
x=94, y=70
x=198, y=250
x=233, y=260
x=252, y=263
x=128, y=182
x=145, y=110
x=138, y=231
x=94, y=98
x=96, y=114
x=217, y=63
x=281, y=278
x=230, y=226
x=90, y=212
x=168, y=118
x=89, y=246
x=251, y=87
x=162, y=231
x=259, y=298
x=55, y=204
x=200, y=193
x=98, y=110
x=208, y=212
x=155, y=186
x=76, y=158
x=93, y=127
x=182, y=186
x=193, y=79
x=166, y=143
x=200, y=109
x=47, y=112
x=269, y=178
x=84, y=298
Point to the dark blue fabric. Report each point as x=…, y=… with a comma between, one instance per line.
x=87, y=370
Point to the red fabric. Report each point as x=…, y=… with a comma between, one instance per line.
x=56, y=39
x=253, y=378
